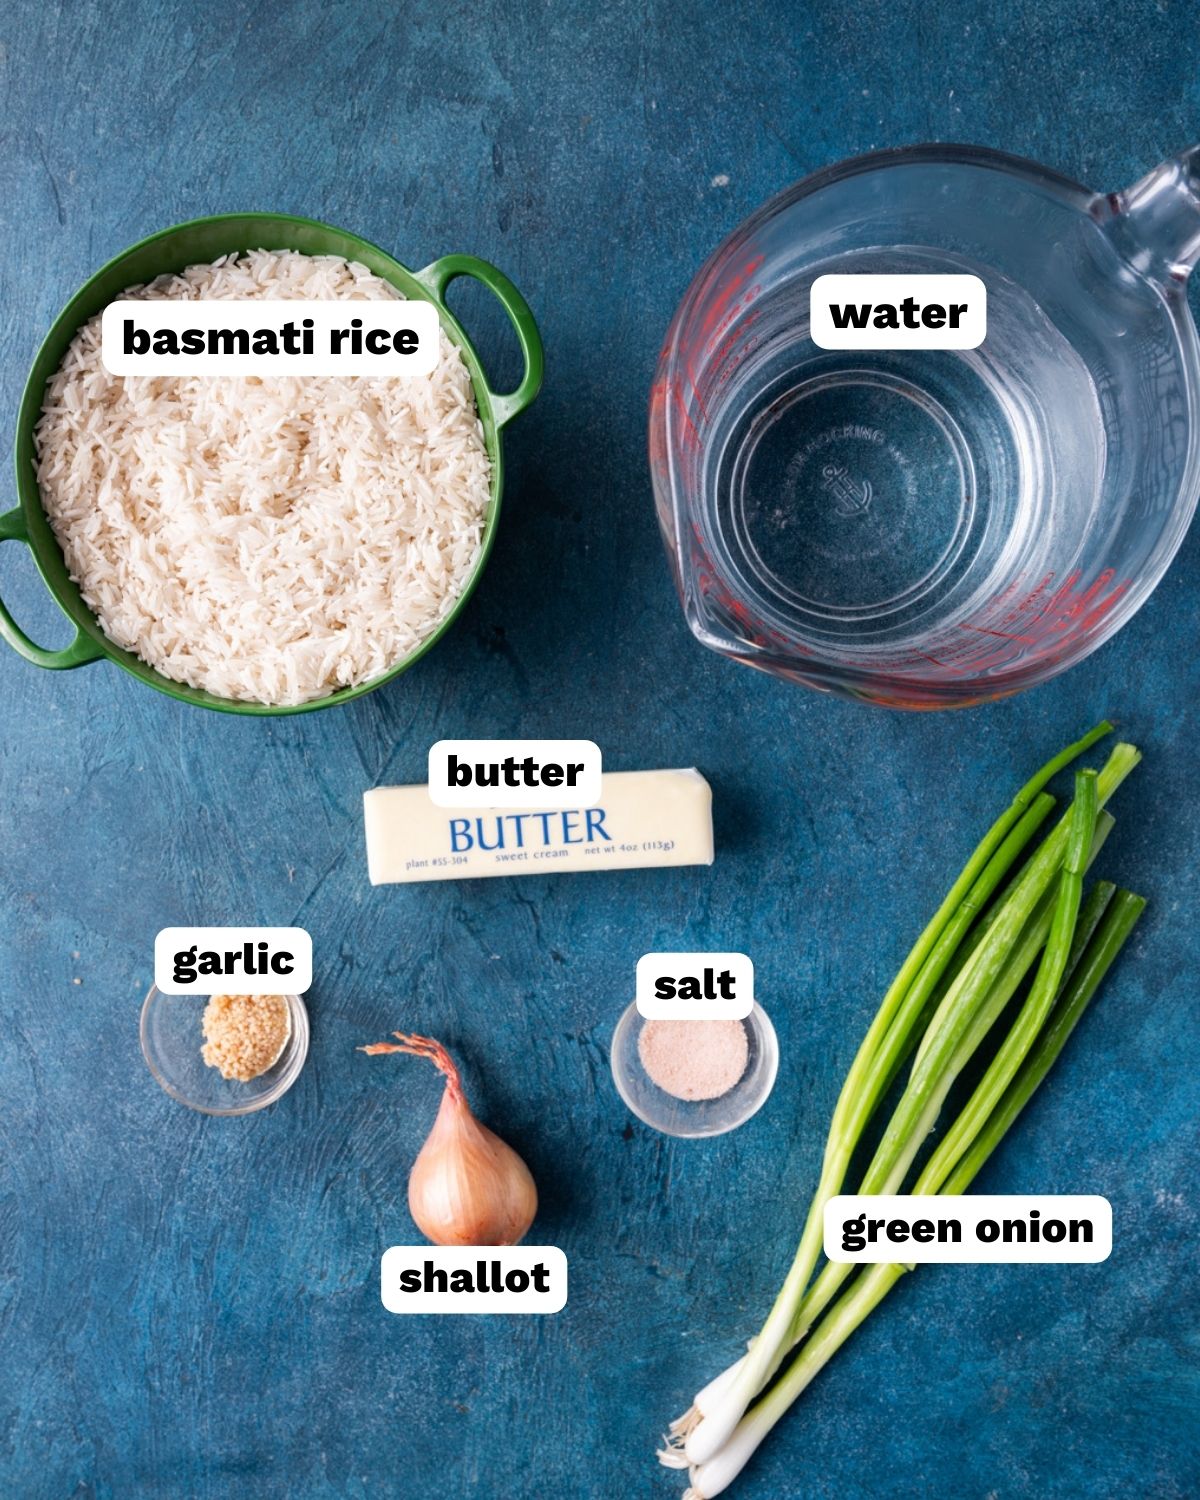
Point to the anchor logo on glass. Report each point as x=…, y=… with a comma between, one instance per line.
x=849, y=499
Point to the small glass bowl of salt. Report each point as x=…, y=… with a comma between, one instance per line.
x=694, y=1078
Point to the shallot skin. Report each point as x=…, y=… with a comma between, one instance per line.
x=467, y=1186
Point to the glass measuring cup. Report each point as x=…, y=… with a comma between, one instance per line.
x=932, y=528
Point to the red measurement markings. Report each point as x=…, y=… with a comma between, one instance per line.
x=1017, y=628
x=1047, y=621
x=666, y=396
x=725, y=295
x=713, y=363
x=708, y=350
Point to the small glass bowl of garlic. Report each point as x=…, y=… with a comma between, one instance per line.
x=225, y=1054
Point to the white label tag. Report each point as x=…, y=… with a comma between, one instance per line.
x=695, y=986
x=514, y=773
x=166, y=336
x=473, y=1279
x=898, y=312
x=975, y=1229
x=233, y=960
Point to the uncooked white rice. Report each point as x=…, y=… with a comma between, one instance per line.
x=270, y=540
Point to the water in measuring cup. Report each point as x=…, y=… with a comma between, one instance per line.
x=873, y=502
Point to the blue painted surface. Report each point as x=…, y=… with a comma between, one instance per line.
x=189, y=1307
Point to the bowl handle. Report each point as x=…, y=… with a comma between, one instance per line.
x=81, y=650
x=438, y=276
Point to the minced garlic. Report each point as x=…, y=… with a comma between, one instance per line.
x=244, y=1034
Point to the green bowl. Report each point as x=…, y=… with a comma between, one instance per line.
x=197, y=242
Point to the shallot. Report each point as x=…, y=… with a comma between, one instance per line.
x=467, y=1186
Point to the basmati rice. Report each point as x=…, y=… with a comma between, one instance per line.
x=270, y=540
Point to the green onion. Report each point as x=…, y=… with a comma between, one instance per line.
x=1118, y=923
x=950, y=992
x=888, y=1040
x=707, y=1426
x=1050, y=973
x=1087, y=964
x=1017, y=965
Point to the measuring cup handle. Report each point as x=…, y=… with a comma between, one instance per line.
x=1156, y=222
x=438, y=276
x=81, y=650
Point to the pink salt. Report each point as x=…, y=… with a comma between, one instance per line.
x=694, y=1059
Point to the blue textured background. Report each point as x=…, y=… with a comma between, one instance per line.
x=189, y=1307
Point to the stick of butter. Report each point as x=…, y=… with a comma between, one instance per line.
x=643, y=818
